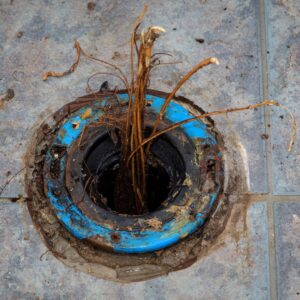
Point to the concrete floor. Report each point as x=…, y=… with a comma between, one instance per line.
x=258, y=45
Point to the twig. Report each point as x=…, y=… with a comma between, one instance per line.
x=103, y=73
x=294, y=126
x=138, y=165
x=203, y=63
x=90, y=57
x=9, y=181
x=70, y=70
x=43, y=254
x=161, y=53
x=132, y=45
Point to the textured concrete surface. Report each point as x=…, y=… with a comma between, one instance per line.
x=257, y=43
x=288, y=249
x=283, y=51
x=30, y=272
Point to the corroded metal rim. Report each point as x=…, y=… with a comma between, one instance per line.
x=199, y=199
x=77, y=189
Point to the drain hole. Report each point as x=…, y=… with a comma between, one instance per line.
x=165, y=170
x=158, y=186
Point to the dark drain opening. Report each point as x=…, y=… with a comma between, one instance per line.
x=165, y=169
x=158, y=186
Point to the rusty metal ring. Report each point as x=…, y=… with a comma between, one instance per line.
x=81, y=198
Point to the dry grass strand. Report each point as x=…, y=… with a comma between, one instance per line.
x=48, y=74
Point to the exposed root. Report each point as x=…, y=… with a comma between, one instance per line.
x=70, y=70
x=221, y=112
x=108, y=64
x=138, y=164
x=294, y=126
x=90, y=90
x=203, y=63
x=2, y=189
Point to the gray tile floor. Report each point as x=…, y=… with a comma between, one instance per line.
x=258, y=45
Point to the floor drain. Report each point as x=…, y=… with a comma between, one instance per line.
x=74, y=166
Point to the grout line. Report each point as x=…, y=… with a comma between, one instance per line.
x=267, y=120
x=265, y=89
x=273, y=198
x=272, y=253
x=252, y=198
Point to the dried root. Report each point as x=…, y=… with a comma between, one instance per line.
x=294, y=126
x=70, y=70
x=222, y=112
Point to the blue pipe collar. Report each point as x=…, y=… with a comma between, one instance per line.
x=108, y=234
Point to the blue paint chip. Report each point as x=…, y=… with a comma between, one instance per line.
x=177, y=113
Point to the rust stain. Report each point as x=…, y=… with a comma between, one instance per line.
x=154, y=222
x=86, y=114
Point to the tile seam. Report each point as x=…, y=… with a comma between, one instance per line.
x=265, y=90
x=272, y=268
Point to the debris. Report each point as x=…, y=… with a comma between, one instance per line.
x=203, y=63
x=221, y=112
x=116, y=55
x=154, y=222
x=71, y=69
x=86, y=114
x=187, y=181
x=10, y=94
x=91, y=6
x=43, y=254
x=264, y=136
x=104, y=86
x=294, y=126
x=9, y=180
x=76, y=125
x=200, y=41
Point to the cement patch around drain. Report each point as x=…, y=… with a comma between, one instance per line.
x=128, y=267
